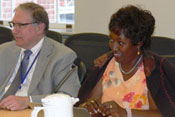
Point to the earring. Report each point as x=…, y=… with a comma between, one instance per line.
x=138, y=52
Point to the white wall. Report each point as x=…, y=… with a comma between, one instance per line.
x=94, y=15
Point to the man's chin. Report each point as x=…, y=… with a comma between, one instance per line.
x=19, y=44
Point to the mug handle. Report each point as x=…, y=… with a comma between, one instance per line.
x=36, y=110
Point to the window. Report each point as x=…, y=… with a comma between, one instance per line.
x=59, y=11
x=66, y=11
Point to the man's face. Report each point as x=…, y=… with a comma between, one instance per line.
x=28, y=35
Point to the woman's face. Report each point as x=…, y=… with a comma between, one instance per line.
x=124, y=51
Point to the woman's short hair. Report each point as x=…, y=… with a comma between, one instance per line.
x=39, y=14
x=135, y=23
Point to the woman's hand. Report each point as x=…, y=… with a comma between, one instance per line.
x=94, y=107
x=108, y=109
x=111, y=109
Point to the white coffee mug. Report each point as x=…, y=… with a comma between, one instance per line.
x=56, y=105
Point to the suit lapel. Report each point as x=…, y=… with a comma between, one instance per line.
x=14, y=53
x=42, y=62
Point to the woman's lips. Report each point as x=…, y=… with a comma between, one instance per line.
x=117, y=54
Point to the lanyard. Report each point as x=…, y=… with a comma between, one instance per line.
x=21, y=74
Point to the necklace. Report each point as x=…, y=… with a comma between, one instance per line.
x=121, y=69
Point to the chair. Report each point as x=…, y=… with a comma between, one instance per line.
x=54, y=35
x=81, y=69
x=88, y=46
x=5, y=34
x=164, y=46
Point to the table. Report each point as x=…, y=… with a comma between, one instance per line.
x=22, y=113
x=78, y=112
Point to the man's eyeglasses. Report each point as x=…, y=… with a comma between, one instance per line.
x=19, y=25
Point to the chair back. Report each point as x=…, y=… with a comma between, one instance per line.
x=54, y=35
x=164, y=46
x=88, y=46
x=5, y=34
x=81, y=69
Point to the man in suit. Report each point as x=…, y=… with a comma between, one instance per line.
x=49, y=62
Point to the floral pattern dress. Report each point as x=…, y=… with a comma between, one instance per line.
x=131, y=93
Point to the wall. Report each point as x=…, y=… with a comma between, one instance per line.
x=94, y=15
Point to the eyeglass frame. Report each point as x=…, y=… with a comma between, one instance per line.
x=19, y=25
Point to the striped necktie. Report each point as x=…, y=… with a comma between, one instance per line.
x=25, y=62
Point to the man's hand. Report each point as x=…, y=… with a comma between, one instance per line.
x=15, y=102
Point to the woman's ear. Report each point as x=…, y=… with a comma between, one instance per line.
x=139, y=45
